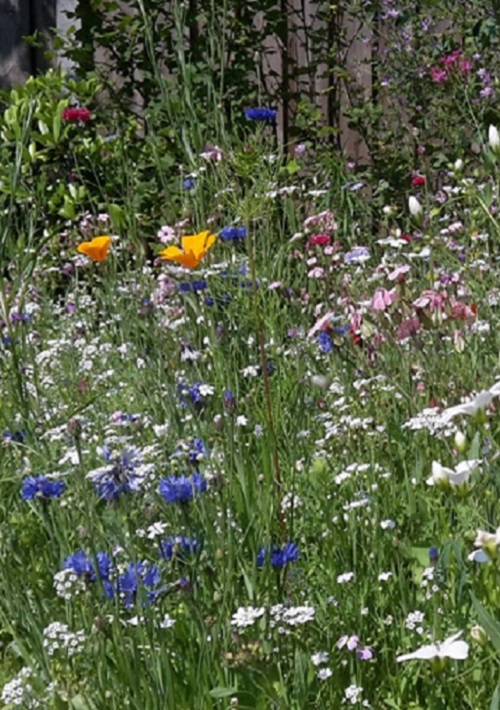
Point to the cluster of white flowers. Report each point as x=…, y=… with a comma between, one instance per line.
x=431, y=420
x=280, y=616
x=18, y=691
x=291, y=616
x=317, y=659
x=290, y=501
x=68, y=584
x=246, y=616
x=414, y=620
x=345, y=577
x=352, y=695
x=58, y=637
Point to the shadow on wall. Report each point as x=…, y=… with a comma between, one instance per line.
x=18, y=19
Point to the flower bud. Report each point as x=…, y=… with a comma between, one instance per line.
x=479, y=635
x=416, y=209
x=219, y=422
x=460, y=442
x=458, y=165
x=320, y=381
x=494, y=139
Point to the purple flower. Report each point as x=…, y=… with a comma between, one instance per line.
x=182, y=489
x=260, y=114
x=351, y=642
x=177, y=546
x=280, y=557
x=119, y=476
x=139, y=574
x=325, y=342
x=365, y=653
x=84, y=567
x=229, y=234
x=41, y=487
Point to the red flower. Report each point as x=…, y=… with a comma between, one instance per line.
x=75, y=115
x=321, y=240
x=418, y=181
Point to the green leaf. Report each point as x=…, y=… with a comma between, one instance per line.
x=117, y=216
x=218, y=693
x=490, y=625
x=495, y=700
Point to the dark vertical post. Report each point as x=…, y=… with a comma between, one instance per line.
x=15, y=60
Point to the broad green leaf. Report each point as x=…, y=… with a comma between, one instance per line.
x=490, y=625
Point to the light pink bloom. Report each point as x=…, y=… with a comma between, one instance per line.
x=382, y=299
x=317, y=273
x=399, y=273
x=321, y=324
x=434, y=300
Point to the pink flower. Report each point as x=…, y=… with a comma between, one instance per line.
x=321, y=324
x=350, y=641
x=465, y=66
x=316, y=273
x=438, y=74
x=408, y=328
x=461, y=311
x=399, y=273
x=75, y=115
x=382, y=299
x=452, y=58
x=431, y=299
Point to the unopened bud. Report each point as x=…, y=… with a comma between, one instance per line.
x=479, y=635
x=460, y=442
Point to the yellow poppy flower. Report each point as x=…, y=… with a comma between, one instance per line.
x=193, y=250
x=97, y=249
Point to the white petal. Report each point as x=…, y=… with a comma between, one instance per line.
x=421, y=654
x=478, y=556
x=458, y=650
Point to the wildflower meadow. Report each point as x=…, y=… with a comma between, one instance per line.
x=250, y=389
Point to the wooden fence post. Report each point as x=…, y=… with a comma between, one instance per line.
x=15, y=56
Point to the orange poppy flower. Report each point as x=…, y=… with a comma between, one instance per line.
x=97, y=249
x=193, y=250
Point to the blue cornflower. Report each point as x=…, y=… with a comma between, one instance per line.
x=222, y=300
x=182, y=489
x=342, y=329
x=193, y=394
x=193, y=286
x=139, y=573
x=325, y=342
x=177, y=546
x=229, y=234
x=261, y=114
x=84, y=567
x=286, y=555
x=197, y=451
x=14, y=437
x=189, y=183
x=120, y=476
x=433, y=555
x=229, y=401
x=261, y=557
x=280, y=557
x=41, y=487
